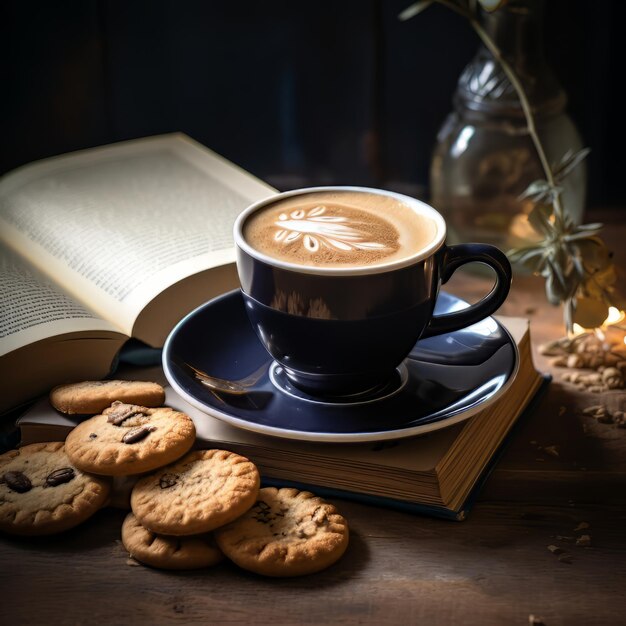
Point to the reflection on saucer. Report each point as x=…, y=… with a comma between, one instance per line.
x=378, y=393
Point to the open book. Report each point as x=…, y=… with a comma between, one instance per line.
x=106, y=244
x=438, y=473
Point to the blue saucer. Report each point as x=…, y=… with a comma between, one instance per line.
x=444, y=380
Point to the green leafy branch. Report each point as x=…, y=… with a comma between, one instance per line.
x=573, y=259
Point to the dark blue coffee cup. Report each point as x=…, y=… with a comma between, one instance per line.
x=343, y=331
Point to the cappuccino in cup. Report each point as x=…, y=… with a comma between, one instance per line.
x=339, y=229
x=339, y=283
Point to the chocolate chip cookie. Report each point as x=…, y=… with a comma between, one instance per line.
x=93, y=396
x=43, y=492
x=165, y=552
x=286, y=533
x=130, y=439
x=203, y=490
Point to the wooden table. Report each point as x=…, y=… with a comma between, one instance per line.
x=494, y=568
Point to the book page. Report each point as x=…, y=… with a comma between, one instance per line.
x=32, y=309
x=117, y=225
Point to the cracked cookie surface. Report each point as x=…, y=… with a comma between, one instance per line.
x=130, y=439
x=166, y=552
x=286, y=533
x=42, y=492
x=200, y=492
x=93, y=396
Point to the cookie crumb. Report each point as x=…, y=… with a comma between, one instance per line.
x=552, y=450
x=562, y=555
x=582, y=526
x=555, y=549
x=591, y=410
x=584, y=541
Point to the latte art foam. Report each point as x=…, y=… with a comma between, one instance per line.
x=338, y=229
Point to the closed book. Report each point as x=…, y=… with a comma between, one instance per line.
x=438, y=473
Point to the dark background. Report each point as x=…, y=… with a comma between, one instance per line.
x=296, y=92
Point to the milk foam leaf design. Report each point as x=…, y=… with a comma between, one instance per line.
x=329, y=218
x=311, y=243
x=316, y=229
x=292, y=237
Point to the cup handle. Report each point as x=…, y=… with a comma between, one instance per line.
x=461, y=254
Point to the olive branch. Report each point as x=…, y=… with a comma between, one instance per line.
x=575, y=262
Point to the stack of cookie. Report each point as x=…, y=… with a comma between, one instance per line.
x=189, y=508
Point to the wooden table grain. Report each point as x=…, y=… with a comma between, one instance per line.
x=493, y=568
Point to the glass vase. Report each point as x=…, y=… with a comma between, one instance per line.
x=485, y=157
